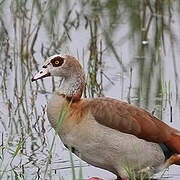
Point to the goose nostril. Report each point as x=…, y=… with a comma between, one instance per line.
x=41, y=72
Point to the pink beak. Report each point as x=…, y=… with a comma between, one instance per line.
x=41, y=74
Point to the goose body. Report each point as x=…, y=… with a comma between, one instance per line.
x=99, y=145
x=106, y=132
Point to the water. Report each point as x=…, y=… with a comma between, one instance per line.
x=135, y=46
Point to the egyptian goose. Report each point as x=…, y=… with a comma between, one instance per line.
x=106, y=132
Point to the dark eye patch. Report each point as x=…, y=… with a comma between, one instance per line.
x=57, y=61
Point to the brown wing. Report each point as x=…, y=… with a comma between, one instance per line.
x=133, y=120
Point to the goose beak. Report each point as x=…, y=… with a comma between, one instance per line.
x=41, y=74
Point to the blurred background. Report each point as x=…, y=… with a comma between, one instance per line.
x=129, y=49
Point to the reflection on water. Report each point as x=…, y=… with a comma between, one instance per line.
x=129, y=49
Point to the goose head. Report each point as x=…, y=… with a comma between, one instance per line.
x=69, y=69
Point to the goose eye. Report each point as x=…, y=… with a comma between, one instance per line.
x=57, y=61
